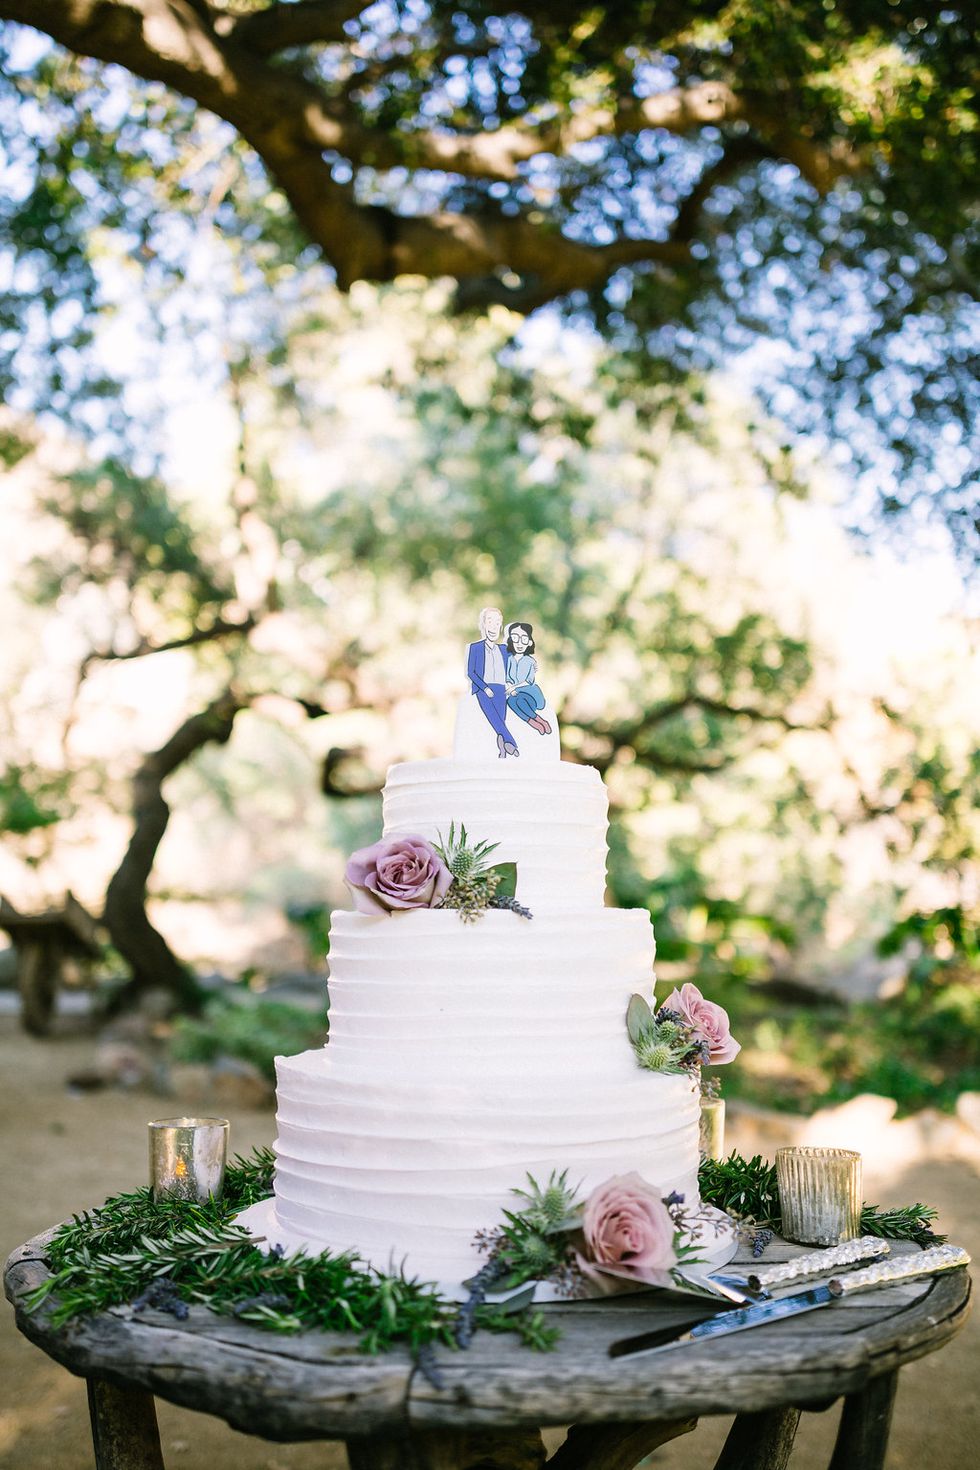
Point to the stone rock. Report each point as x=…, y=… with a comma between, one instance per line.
x=238, y=1084
x=155, y=1004
x=190, y=1083
x=115, y=1064
x=968, y=1110
x=123, y=1064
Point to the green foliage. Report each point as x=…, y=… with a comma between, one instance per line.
x=531, y=1326
x=126, y=526
x=255, y=1031
x=692, y=923
x=313, y=919
x=748, y=1190
x=660, y=1043
x=533, y=1243
x=548, y=1207
x=27, y=803
x=477, y=885
x=108, y=1256
x=13, y=447
x=506, y=876
x=113, y=1254
x=913, y=1222
x=841, y=220
x=949, y=938
x=920, y=1046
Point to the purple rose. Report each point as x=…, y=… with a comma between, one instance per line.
x=709, y=1021
x=628, y=1228
x=397, y=873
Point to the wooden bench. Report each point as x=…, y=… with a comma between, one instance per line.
x=43, y=943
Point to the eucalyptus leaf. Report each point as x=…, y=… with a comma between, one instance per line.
x=507, y=873
x=516, y=1302
x=639, y=1018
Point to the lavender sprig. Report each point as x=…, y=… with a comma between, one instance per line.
x=487, y=1277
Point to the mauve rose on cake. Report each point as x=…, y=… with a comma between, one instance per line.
x=397, y=873
x=628, y=1228
x=708, y=1020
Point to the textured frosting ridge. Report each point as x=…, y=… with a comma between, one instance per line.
x=549, y=819
x=464, y=1056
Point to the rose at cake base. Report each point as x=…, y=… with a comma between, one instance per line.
x=471, y=1045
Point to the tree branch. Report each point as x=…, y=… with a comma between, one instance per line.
x=280, y=27
x=221, y=628
x=738, y=154
x=629, y=732
x=330, y=772
x=222, y=63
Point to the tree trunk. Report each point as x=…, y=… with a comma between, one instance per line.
x=150, y=958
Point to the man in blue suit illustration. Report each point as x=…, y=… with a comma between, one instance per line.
x=486, y=672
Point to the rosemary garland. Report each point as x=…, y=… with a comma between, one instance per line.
x=173, y=1254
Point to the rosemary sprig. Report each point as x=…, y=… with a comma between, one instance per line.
x=914, y=1222
x=744, y=1188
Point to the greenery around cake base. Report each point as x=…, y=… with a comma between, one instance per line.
x=174, y=1254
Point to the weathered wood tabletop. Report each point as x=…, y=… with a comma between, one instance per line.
x=497, y=1395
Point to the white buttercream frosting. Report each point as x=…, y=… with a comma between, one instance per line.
x=549, y=819
x=464, y=1056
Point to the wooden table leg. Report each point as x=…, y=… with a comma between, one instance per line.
x=614, y=1446
x=449, y=1449
x=760, y=1441
x=862, y=1438
x=124, y=1427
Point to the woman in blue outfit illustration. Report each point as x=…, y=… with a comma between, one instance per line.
x=524, y=696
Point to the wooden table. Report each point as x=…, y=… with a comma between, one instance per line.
x=497, y=1395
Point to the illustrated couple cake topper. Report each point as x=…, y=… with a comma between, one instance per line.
x=504, y=676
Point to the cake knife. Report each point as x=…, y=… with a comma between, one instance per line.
x=883, y=1273
x=814, y=1263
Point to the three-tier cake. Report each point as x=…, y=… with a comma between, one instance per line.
x=464, y=1056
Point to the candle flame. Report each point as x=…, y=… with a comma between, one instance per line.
x=180, y=1169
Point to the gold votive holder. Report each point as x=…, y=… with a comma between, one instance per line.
x=819, y=1194
x=711, y=1140
x=188, y=1157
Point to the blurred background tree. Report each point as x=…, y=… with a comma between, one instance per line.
x=681, y=291
x=789, y=180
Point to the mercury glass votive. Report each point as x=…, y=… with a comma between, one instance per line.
x=711, y=1140
x=187, y=1157
x=819, y=1194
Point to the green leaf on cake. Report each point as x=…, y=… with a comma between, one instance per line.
x=639, y=1018
x=507, y=873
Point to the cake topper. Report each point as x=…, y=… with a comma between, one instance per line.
x=487, y=672
x=504, y=695
x=524, y=696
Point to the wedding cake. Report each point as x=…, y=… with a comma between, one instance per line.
x=464, y=1056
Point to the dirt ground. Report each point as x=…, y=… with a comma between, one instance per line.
x=60, y=1153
